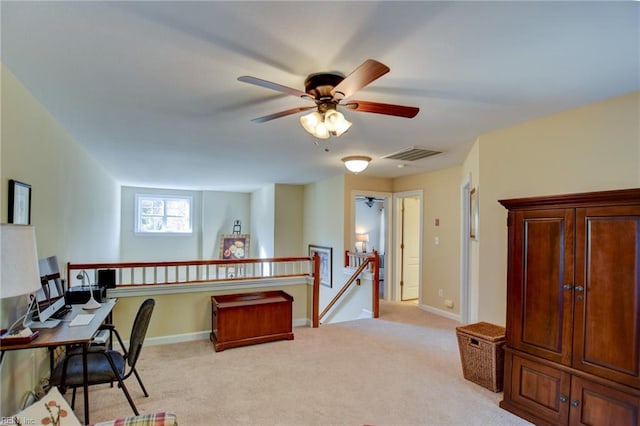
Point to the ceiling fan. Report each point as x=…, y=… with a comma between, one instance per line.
x=327, y=91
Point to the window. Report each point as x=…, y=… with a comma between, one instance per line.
x=162, y=214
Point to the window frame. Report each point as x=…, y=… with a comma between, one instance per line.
x=163, y=197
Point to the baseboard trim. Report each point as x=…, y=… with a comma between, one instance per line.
x=366, y=313
x=440, y=312
x=201, y=335
x=177, y=338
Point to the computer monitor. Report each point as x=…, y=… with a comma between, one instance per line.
x=49, y=299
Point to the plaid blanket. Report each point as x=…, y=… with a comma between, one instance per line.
x=154, y=419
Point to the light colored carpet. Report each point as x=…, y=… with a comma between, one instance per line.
x=401, y=369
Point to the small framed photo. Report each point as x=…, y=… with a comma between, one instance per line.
x=19, y=202
x=326, y=263
x=473, y=211
x=234, y=246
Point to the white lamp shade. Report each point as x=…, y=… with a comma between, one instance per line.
x=342, y=126
x=321, y=131
x=310, y=121
x=324, y=125
x=19, y=274
x=362, y=237
x=356, y=163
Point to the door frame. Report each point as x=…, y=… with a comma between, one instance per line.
x=388, y=231
x=397, y=227
x=465, y=250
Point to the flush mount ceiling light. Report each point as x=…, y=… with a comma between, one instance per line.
x=356, y=163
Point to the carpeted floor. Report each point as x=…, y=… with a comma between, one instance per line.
x=401, y=369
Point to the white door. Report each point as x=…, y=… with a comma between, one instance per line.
x=410, y=277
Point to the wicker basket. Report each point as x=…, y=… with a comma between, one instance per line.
x=482, y=354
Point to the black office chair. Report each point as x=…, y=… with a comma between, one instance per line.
x=105, y=365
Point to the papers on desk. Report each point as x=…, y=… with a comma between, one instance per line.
x=81, y=319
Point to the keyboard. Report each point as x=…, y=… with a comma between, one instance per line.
x=62, y=312
x=81, y=319
x=100, y=338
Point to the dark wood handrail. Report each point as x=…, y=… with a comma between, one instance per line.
x=368, y=260
x=344, y=288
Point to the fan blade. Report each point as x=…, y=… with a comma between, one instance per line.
x=280, y=114
x=386, y=109
x=274, y=86
x=369, y=71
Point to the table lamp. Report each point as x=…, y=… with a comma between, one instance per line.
x=19, y=261
x=92, y=303
x=363, y=239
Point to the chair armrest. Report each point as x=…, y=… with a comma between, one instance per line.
x=164, y=418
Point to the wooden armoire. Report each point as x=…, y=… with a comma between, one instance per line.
x=573, y=309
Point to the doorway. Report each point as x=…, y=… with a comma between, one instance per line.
x=408, y=246
x=371, y=231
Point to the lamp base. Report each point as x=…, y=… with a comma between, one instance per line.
x=91, y=304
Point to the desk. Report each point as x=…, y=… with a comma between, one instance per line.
x=65, y=335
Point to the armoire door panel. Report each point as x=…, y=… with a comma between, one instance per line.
x=595, y=404
x=607, y=311
x=543, y=298
x=540, y=389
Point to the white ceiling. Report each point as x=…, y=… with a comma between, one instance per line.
x=150, y=88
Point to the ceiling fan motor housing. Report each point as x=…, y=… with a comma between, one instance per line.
x=320, y=85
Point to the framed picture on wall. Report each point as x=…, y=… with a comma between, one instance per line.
x=19, y=202
x=473, y=212
x=326, y=263
x=234, y=246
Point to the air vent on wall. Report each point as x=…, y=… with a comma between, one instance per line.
x=412, y=154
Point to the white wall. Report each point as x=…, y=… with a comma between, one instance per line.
x=262, y=222
x=219, y=211
x=368, y=221
x=144, y=248
x=213, y=215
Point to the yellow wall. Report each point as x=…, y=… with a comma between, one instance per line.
x=190, y=313
x=75, y=209
x=440, y=263
x=288, y=217
x=595, y=147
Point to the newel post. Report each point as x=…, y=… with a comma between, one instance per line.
x=376, y=285
x=316, y=291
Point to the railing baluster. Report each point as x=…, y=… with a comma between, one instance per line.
x=154, y=273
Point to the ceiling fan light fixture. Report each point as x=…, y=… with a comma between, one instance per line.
x=335, y=122
x=310, y=121
x=325, y=122
x=332, y=119
x=314, y=124
x=321, y=131
x=356, y=163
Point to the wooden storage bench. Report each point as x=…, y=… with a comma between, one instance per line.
x=250, y=318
